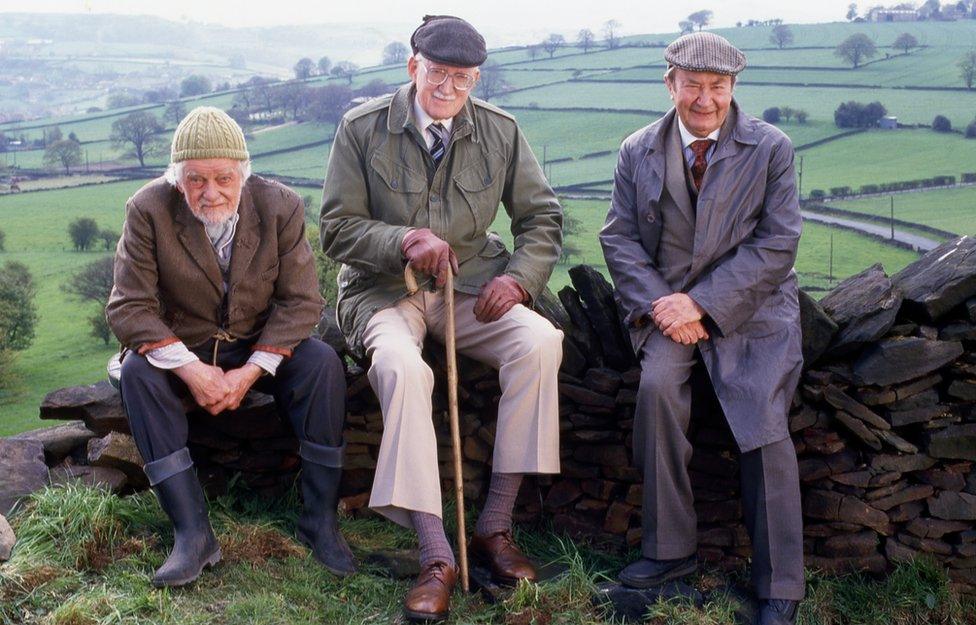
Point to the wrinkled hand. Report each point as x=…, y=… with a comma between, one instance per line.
x=688, y=334
x=428, y=253
x=497, y=298
x=206, y=383
x=240, y=381
x=675, y=310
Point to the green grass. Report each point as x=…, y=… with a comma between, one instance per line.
x=62, y=354
x=949, y=209
x=85, y=557
x=886, y=156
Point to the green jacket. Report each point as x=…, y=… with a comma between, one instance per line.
x=381, y=182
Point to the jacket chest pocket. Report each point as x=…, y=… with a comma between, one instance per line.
x=480, y=185
x=396, y=191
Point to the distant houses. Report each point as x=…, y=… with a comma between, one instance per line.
x=888, y=122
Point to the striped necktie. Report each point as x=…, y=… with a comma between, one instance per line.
x=700, y=149
x=437, y=147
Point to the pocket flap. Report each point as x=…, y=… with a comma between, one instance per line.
x=396, y=176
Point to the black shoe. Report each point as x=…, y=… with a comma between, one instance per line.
x=195, y=545
x=777, y=612
x=317, y=526
x=647, y=573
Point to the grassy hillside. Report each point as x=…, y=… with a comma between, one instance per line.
x=948, y=209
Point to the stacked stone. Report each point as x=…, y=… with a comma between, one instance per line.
x=884, y=423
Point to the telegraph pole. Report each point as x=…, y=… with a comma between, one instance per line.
x=892, y=198
x=799, y=184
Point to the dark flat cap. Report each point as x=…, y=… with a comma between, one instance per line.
x=705, y=52
x=449, y=40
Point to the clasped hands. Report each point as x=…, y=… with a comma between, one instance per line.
x=679, y=318
x=428, y=253
x=216, y=390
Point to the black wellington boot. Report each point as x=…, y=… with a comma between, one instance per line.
x=317, y=526
x=181, y=498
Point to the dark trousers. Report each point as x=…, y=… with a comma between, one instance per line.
x=769, y=478
x=309, y=388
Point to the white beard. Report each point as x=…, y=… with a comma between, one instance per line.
x=211, y=217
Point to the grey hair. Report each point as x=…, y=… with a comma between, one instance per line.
x=174, y=172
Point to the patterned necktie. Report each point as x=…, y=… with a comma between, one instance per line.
x=700, y=148
x=437, y=147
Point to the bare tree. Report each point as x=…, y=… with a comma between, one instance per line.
x=585, y=39
x=686, y=27
x=83, y=232
x=856, y=48
x=345, y=69
x=552, y=43
x=65, y=153
x=781, y=36
x=303, y=68
x=324, y=65
x=93, y=283
x=329, y=102
x=174, y=112
x=290, y=98
x=492, y=81
x=611, y=33
x=395, y=53
x=905, y=42
x=532, y=51
x=700, y=18
x=851, y=12
x=967, y=68
x=140, y=129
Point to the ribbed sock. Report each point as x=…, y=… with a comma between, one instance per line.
x=497, y=513
x=433, y=541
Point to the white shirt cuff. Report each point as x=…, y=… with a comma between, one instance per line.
x=170, y=356
x=266, y=360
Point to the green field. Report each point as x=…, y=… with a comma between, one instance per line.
x=948, y=209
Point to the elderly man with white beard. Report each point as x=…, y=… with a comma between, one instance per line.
x=215, y=293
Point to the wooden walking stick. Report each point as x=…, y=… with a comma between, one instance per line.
x=452, y=412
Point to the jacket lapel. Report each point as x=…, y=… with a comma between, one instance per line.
x=245, y=238
x=194, y=238
x=675, y=174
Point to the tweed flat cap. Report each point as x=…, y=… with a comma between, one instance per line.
x=705, y=52
x=449, y=40
x=208, y=132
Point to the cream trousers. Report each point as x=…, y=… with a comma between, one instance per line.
x=523, y=346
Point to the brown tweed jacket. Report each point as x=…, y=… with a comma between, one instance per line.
x=168, y=285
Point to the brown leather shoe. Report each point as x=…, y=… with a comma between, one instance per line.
x=430, y=597
x=502, y=556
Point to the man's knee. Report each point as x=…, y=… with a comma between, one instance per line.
x=400, y=362
x=661, y=377
x=320, y=355
x=136, y=373
x=540, y=339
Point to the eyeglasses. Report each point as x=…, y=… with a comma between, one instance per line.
x=437, y=76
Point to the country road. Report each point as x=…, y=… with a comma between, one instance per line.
x=919, y=242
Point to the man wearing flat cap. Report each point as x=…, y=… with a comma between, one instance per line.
x=216, y=292
x=700, y=241
x=418, y=177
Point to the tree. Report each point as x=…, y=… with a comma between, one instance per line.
x=83, y=232
x=781, y=36
x=324, y=65
x=395, y=53
x=787, y=112
x=290, y=98
x=374, y=88
x=851, y=12
x=532, y=51
x=771, y=115
x=328, y=102
x=905, y=42
x=585, y=39
x=139, y=129
x=856, y=115
x=941, y=123
x=194, y=85
x=492, y=81
x=686, y=27
x=53, y=135
x=345, y=69
x=303, y=68
x=967, y=68
x=18, y=314
x=552, y=43
x=855, y=49
x=3, y=241
x=700, y=18
x=971, y=130
x=802, y=116
x=65, y=153
x=109, y=238
x=174, y=112
x=93, y=283
x=611, y=33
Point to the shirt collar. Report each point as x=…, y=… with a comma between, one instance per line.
x=687, y=138
x=423, y=119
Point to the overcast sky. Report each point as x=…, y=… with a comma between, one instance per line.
x=503, y=21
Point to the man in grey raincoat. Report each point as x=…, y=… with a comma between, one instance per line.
x=700, y=240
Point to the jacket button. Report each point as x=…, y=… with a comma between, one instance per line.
x=650, y=217
x=435, y=198
x=394, y=184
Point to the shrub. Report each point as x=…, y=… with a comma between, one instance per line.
x=771, y=115
x=818, y=194
x=840, y=191
x=971, y=177
x=971, y=130
x=857, y=115
x=870, y=188
x=941, y=123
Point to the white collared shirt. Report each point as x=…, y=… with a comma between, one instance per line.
x=687, y=139
x=424, y=121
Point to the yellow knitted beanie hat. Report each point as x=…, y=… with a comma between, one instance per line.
x=208, y=132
